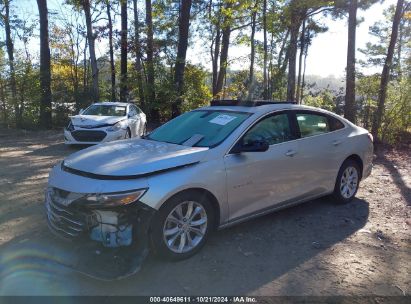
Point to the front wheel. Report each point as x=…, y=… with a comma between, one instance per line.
x=182, y=226
x=144, y=131
x=348, y=181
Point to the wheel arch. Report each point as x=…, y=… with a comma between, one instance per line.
x=356, y=158
x=202, y=192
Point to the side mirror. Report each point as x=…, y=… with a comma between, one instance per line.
x=255, y=146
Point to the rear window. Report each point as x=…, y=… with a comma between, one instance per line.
x=335, y=124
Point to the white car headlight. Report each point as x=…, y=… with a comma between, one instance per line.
x=114, y=199
x=115, y=127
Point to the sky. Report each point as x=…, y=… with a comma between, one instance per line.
x=326, y=56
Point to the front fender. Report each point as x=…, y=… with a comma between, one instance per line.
x=210, y=176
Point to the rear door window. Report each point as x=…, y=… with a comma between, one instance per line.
x=311, y=124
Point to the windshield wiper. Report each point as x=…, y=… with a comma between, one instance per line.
x=193, y=140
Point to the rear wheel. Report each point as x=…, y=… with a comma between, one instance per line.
x=348, y=181
x=182, y=226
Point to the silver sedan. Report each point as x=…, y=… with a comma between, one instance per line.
x=206, y=169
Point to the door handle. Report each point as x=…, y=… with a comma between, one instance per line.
x=290, y=153
x=336, y=142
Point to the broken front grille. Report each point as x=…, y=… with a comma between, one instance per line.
x=88, y=136
x=65, y=221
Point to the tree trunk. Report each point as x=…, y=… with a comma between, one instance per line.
x=138, y=62
x=216, y=57
x=386, y=70
x=292, y=55
x=270, y=67
x=3, y=101
x=252, y=54
x=183, y=30
x=225, y=43
x=215, y=52
x=265, y=91
x=111, y=51
x=283, y=49
x=350, y=109
x=45, y=74
x=303, y=78
x=399, y=51
x=123, y=55
x=151, y=94
x=300, y=61
x=91, y=45
x=75, y=53
x=85, y=65
x=10, y=53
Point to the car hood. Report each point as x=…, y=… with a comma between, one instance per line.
x=131, y=158
x=95, y=120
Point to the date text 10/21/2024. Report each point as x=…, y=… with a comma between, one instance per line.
x=205, y=299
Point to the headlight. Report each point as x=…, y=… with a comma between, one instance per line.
x=114, y=199
x=115, y=127
x=70, y=126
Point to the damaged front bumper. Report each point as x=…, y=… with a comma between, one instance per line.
x=111, y=242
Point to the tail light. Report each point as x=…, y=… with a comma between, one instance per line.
x=370, y=137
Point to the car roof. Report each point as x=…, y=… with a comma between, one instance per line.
x=261, y=109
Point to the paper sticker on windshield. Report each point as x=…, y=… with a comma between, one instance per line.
x=222, y=119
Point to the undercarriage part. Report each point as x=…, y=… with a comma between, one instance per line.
x=112, y=230
x=94, y=260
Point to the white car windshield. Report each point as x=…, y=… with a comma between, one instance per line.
x=201, y=128
x=105, y=110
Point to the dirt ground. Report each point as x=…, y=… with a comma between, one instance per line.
x=318, y=248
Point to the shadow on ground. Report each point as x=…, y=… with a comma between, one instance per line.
x=237, y=260
x=396, y=175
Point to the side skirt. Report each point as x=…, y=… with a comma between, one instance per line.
x=277, y=207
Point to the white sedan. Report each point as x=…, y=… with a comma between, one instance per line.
x=106, y=121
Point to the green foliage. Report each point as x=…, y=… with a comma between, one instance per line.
x=236, y=85
x=196, y=91
x=325, y=100
x=397, y=116
x=71, y=71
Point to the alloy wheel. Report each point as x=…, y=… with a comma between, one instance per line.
x=185, y=227
x=349, y=182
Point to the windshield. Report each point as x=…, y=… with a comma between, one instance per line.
x=201, y=128
x=105, y=110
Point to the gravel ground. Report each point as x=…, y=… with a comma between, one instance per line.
x=318, y=248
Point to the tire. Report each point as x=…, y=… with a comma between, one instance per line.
x=171, y=234
x=144, y=133
x=128, y=134
x=345, y=190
